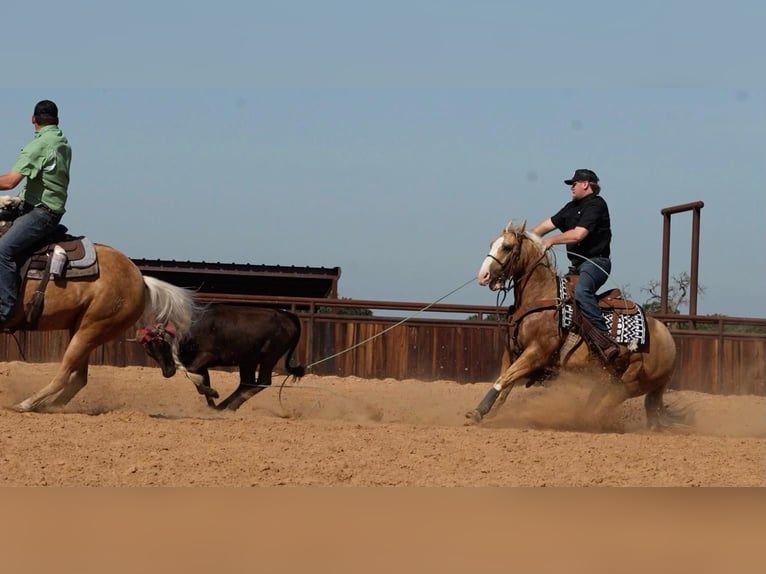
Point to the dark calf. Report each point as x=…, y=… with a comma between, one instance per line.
x=252, y=338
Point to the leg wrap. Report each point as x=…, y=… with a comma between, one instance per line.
x=488, y=400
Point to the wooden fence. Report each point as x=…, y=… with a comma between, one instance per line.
x=712, y=358
x=452, y=348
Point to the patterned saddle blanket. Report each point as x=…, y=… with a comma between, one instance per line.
x=80, y=254
x=625, y=319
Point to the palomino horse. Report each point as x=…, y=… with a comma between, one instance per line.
x=95, y=310
x=519, y=257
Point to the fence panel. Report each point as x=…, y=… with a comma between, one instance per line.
x=728, y=364
x=713, y=361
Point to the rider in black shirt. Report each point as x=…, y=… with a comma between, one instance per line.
x=586, y=231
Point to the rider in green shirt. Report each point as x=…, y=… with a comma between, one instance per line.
x=45, y=163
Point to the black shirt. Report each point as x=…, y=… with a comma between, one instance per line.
x=592, y=213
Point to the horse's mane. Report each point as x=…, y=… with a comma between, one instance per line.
x=535, y=241
x=173, y=304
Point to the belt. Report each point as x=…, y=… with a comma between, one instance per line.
x=574, y=268
x=583, y=259
x=29, y=207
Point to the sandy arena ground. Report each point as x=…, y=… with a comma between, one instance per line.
x=131, y=427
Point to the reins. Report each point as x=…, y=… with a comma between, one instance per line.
x=508, y=282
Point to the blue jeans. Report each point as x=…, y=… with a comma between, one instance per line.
x=26, y=232
x=591, y=279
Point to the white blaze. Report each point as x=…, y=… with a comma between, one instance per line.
x=484, y=275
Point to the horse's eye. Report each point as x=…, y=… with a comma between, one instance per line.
x=507, y=247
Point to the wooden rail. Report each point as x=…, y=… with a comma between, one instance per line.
x=430, y=347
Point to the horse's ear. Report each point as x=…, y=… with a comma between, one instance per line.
x=515, y=227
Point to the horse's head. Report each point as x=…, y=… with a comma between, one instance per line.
x=509, y=255
x=158, y=344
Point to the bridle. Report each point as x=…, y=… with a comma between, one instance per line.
x=507, y=281
x=496, y=260
x=504, y=278
x=161, y=331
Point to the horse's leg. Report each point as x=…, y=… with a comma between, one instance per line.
x=505, y=364
x=75, y=357
x=531, y=359
x=607, y=395
x=505, y=361
x=658, y=367
x=658, y=416
x=604, y=398
x=248, y=387
x=654, y=407
x=77, y=381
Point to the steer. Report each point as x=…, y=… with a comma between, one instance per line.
x=253, y=338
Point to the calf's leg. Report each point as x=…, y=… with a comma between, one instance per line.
x=248, y=387
x=201, y=379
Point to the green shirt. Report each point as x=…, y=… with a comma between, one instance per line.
x=45, y=162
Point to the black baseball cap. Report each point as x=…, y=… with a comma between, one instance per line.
x=582, y=175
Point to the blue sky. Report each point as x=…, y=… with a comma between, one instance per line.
x=396, y=139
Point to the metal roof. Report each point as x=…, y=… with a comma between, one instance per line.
x=246, y=279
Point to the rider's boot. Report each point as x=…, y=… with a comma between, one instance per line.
x=604, y=344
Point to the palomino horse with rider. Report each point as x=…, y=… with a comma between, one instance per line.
x=543, y=333
x=93, y=291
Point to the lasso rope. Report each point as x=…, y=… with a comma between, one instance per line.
x=608, y=275
x=367, y=340
x=384, y=331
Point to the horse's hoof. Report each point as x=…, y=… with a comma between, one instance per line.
x=20, y=408
x=473, y=417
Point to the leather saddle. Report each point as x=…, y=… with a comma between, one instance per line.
x=608, y=301
x=80, y=254
x=624, y=318
x=81, y=261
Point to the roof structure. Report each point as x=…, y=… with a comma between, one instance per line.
x=244, y=279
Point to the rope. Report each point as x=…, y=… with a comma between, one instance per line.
x=384, y=331
x=18, y=344
x=284, y=385
x=608, y=275
x=359, y=344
